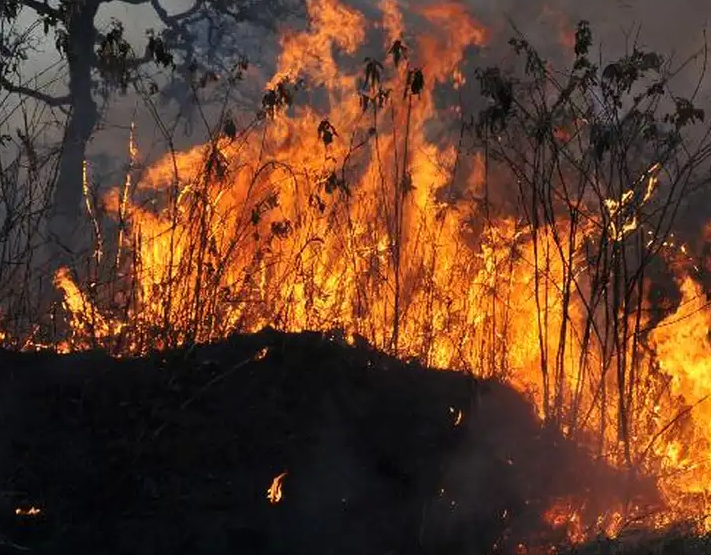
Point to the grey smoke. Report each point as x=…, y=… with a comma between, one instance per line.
x=671, y=28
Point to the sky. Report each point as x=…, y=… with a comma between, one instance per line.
x=663, y=24
x=671, y=27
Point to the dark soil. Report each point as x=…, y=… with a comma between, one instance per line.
x=174, y=454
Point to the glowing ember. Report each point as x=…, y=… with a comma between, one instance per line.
x=457, y=414
x=31, y=511
x=274, y=493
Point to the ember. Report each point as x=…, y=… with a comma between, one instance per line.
x=31, y=511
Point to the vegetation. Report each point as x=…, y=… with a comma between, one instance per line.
x=523, y=243
x=101, y=62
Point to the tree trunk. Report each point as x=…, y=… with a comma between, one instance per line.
x=65, y=218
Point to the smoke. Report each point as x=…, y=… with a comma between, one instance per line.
x=674, y=29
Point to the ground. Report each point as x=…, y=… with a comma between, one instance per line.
x=174, y=453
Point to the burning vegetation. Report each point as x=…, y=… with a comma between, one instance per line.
x=510, y=222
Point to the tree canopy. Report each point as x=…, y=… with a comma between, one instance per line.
x=101, y=61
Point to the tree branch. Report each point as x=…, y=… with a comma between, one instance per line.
x=172, y=20
x=41, y=8
x=50, y=100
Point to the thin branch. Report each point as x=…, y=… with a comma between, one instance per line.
x=48, y=99
x=172, y=20
x=42, y=8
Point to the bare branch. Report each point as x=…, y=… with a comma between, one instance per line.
x=34, y=93
x=172, y=20
x=41, y=8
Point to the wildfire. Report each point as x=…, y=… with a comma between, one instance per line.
x=274, y=493
x=354, y=215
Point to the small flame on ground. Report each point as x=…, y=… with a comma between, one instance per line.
x=31, y=511
x=274, y=493
x=261, y=354
x=457, y=414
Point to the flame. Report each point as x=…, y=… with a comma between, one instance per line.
x=30, y=511
x=458, y=416
x=352, y=213
x=274, y=493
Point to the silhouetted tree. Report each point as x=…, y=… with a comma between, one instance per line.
x=103, y=62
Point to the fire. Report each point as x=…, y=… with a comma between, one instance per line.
x=274, y=493
x=682, y=344
x=351, y=209
x=457, y=414
x=30, y=511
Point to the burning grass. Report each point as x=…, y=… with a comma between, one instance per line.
x=509, y=227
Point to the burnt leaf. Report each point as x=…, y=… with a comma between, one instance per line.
x=281, y=229
x=373, y=70
x=317, y=202
x=326, y=132
x=398, y=51
x=601, y=139
x=256, y=216
x=364, y=102
x=114, y=57
x=158, y=51
x=230, y=128
x=407, y=184
x=331, y=183
x=583, y=38
x=239, y=69
x=277, y=97
x=383, y=96
x=686, y=113
x=499, y=91
x=415, y=82
x=216, y=164
x=271, y=202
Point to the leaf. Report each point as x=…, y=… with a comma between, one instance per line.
x=326, y=132
x=281, y=229
x=686, y=113
x=583, y=38
x=331, y=183
x=416, y=81
x=373, y=69
x=317, y=202
x=398, y=51
x=364, y=102
x=230, y=128
x=256, y=216
x=161, y=55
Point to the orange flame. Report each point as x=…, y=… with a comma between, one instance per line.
x=30, y=511
x=274, y=493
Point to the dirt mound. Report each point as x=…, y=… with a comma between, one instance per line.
x=175, y=453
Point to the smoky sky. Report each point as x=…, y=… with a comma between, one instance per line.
x=672, y=28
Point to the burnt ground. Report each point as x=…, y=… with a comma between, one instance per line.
x=174, y=454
